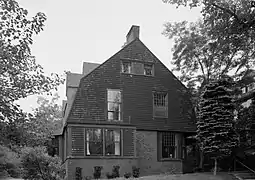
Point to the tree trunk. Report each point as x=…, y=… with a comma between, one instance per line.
x=215, y=166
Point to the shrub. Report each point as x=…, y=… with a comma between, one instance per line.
x=37, y=164
x=109, y=176
x=9, y=163
x=97, y=172
x=127, y=175
x=78, y=173
x=116, y=171
x=136, y=171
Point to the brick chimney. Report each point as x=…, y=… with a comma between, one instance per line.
x=132, y=34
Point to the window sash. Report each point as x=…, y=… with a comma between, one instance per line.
x=137, y=67
x=170, y=146
x=94, y=146
x=160, y=104
x=148, y=69
x=114, y=99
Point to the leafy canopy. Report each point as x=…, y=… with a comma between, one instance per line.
x=20, y=75
x=220, y=43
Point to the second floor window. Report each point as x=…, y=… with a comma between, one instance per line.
x=114, y=105
x=160, y=104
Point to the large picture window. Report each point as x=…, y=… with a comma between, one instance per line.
x=160, y=104
x=114, y=105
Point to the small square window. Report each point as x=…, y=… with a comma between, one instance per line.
x=148, y=69
x=126, y=67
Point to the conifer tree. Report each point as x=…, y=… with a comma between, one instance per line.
x=215, y=127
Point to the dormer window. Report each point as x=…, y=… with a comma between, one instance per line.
x=148, y=69
x=126, y=67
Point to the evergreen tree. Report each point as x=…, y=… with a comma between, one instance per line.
x=215, y=127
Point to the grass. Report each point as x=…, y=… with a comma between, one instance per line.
x=194, y=176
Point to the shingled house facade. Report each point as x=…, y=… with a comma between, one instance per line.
x=128, y=111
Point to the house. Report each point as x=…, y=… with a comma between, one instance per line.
x=128, y=111
x=248, y=93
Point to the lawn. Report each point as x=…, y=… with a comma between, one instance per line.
x=194, y=176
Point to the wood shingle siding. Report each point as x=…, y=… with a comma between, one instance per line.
x=78, y=141
x=128, y=142
x=90, y=103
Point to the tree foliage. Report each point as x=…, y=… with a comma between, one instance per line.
x=37, y=164
x=215, y=123
x=20, y=75
x=245, y=122
x=221, y=42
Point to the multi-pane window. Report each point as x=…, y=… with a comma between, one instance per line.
x=99, y=141
x=94, y=142
x=114, y=105
x=137, y=67
x=126, y=67
x=168, y=145
x=148, y=69
x=160, y=104
x=112, y=142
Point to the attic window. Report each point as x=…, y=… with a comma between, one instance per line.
x=137, y=68
x=148, y=69
x=126, y=67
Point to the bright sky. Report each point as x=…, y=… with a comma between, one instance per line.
x=92, y=31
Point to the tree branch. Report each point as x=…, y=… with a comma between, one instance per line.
x=227, y=11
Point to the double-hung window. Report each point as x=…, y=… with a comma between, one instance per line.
x=171, y=145
x=114, y=105
x=160, y=104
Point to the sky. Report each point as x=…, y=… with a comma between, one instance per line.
x=92, y=31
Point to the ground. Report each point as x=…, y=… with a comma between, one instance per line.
x=195, y=176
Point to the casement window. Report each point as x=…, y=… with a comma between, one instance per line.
x=102, y=142
x=138, y=68
x=94, y=142
x=170, y=146
x=160, y=104
x=113, y=105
